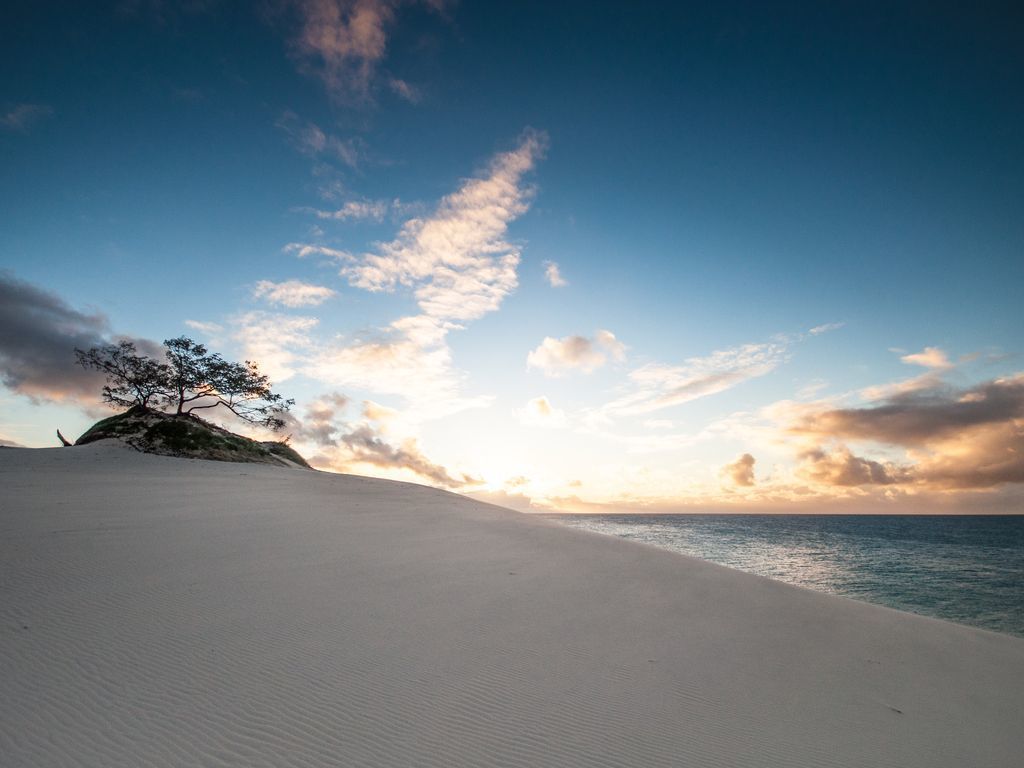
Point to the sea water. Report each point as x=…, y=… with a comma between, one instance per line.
x=967, y=569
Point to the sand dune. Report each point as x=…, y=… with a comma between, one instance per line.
x=169, y=612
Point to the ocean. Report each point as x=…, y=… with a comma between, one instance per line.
x=967, y=569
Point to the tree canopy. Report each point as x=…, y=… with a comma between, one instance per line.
x=190, y=378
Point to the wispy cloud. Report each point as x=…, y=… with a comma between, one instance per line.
x=405, y=90
x=292, y=293
x=459, y=266
x=311, y=140
x=656, y=386
x=22, y=117
x=929, y=357
x=210, y=329
x=553, y=274
x=353, y=444
x=457, y=260
x=557, y=357
x=826, y=328
x=277, y=343
x=344, y=42
x=356, y=210
x=306, y=250
x=539, y=412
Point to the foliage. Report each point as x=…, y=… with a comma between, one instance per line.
x=170, y=434
x=132, y=379
x=191, y=379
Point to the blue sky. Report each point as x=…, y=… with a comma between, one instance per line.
x=788, y=240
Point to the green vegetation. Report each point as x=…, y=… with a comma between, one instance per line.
x=187, y=436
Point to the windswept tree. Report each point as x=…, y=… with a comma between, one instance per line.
x=132, y=379
x=191, y=379
x=201, y=380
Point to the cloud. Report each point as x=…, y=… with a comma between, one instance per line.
x=539, y=412
x=39, y=332
x=321, y=424
x=916, y=418
x=343, y=42
x=275, y=342
x=345, y=445
x=22, y=117
x=557, y=357
x=405, y=90
x=210, y=329
x=366, y=446
x=292, y=293
x=309, y=139
x=841, y=467
x=930, y=357
x=554, y=275
x=379, y=413
x=826, y=328
x=741, y=471
x=656, y=386
x=355, y=210
x=304, y=251
x=457, y=261
x=459, y=266
x=953, y=438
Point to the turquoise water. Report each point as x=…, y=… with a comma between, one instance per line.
x=967, y=569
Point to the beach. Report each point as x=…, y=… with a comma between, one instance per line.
x=168, y=612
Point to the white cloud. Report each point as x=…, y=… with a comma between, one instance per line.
x=557, y=357
x=355, y=210
x=275, y=342
x=553, y=275
x=292, y=293
x=929, y=357
x=656, y=386
x=458, y=264
x=210, y=329
x=539, y=412
x=304, y=251
x=457, y=260
x=826, y=328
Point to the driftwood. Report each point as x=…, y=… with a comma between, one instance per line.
x=63, y=440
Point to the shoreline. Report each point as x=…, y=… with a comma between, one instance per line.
x=870, y=580
x=167, y=611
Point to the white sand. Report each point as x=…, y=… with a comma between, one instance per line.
x=167, y=612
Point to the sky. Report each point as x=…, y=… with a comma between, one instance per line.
x=581, y=257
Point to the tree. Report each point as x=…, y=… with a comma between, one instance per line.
x=132, y=379
x=192, y=379
x=201, y=380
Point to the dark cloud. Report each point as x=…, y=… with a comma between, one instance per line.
x=38, y=336
x=916, y=418
x=841, y=467
x=957, y=438
x=348, y=444
x=39, y=333
x=741, y=471
x=368, y=447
